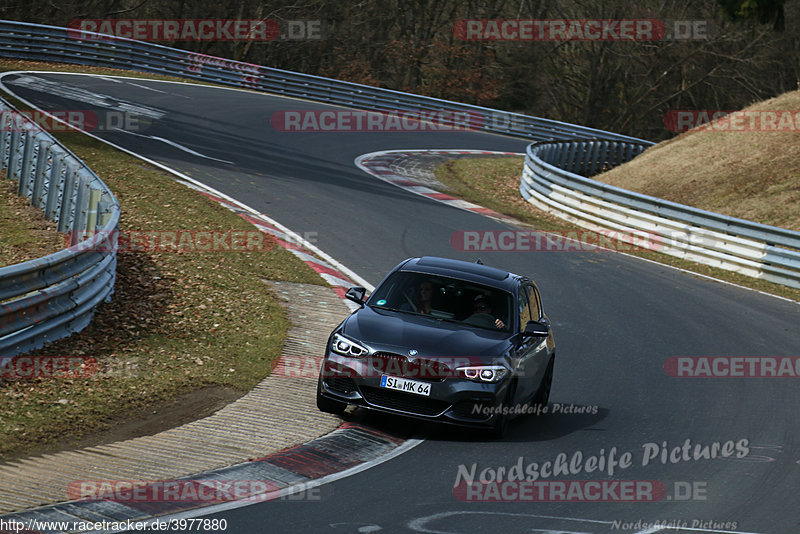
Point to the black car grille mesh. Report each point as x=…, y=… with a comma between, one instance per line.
x=419, y=369
x=404, y=402
x=342, y=384
x=472, y=409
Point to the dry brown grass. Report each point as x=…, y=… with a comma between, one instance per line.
x=751, y=175
x=24, y=232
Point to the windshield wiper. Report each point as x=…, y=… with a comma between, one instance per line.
x=411, y=312
x=447, y=320
x=394, y=309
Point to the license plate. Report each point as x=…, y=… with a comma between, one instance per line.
x=404, y=384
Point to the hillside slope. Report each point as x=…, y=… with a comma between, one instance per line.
x=748, y=173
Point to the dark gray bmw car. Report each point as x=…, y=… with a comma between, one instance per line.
x=443, y=340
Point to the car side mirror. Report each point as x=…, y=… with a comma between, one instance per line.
x=356, y=294
x=536, y=328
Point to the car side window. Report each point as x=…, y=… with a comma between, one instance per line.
x=524, y=307
x=534, y=303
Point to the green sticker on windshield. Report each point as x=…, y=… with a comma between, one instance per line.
x=381, y=302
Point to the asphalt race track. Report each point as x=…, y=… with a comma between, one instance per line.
x=617, y=320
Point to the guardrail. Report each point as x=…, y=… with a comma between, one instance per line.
x=55, y=296
x=554, y=179
x=50, y=43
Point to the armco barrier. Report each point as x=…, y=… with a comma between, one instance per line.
x=52, y=297
x=554, y=179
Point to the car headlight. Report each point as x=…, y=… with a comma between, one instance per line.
x=484, y=373
x=346, y=347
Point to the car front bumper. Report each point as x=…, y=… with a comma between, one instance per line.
x=452, y=399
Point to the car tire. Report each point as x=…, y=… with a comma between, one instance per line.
x=500, y=427
x=328, y=405
x=542, y=395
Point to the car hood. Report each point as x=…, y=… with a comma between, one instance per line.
x=400, y=332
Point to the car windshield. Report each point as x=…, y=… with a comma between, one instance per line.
x=445, y=298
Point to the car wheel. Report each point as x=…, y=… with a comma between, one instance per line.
x=542, y=395
x=328, y=405
x=502, y=421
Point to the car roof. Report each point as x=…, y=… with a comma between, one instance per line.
x=473, y=272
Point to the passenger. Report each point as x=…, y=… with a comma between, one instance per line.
x=422, y=299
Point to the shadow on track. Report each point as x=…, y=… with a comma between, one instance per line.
x=523, y=429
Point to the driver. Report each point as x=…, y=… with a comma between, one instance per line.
x=481, y=306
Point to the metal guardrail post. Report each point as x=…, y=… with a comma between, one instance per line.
x=43, y=161
x=630, y=152
x=562, y=155
x=81, y=209
x=67, y=203
x=92, y=215
x=26, y=164
x=103, y=216
x=13, y=155
x=6, y=127
x=54, y=183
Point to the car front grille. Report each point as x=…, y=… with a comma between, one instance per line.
x=404, y=402
x=419, y=369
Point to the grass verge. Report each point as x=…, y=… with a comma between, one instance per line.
x=24, y=232
x=747, y=168
x=178, y=322
x=494, y=183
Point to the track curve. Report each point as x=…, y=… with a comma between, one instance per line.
x=617, y=319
